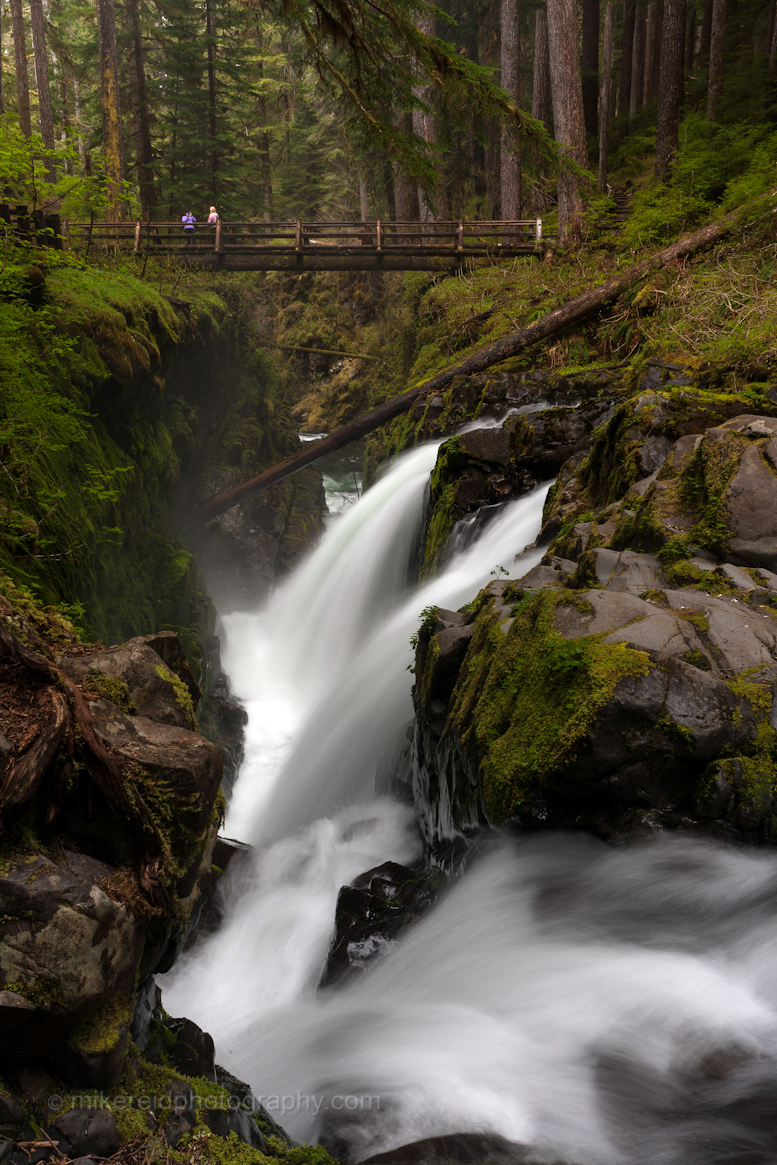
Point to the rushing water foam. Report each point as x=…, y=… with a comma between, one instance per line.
x=603, y=1006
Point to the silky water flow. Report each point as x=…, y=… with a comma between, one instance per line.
x=594, y=1004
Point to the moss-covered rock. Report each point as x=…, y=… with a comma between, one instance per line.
x=584, y=708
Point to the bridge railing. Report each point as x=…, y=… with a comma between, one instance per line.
x=297, y=237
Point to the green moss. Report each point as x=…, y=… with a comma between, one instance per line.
x=44, y=993
x=182, y=694
x=103, y=1030
x=110, y=688
x=525, y=701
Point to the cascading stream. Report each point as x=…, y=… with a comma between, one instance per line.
x=601, y=1005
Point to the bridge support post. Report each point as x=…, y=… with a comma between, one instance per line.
x=136, y=247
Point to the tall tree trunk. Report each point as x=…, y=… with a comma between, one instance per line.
x=690, y=37
x=425, y=127
x=265, y=168
x=627, y=51
x=364, y=202
x=638, y=63
x=42, y=79
x=2, y=86
x=706, y=33
x=650, y=52
x=590, y=68
x=111, y=109
x=657, y=53
x=670, y=86
x=20, y=61
x=717, y=56
x=567, y=95
x=141, y=122
x=405, y=192
x=213, y=156
x=492, y=171
x=511, y=199
x=541, y=104
x=608, y=90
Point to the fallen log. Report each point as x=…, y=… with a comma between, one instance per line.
x=570, y=313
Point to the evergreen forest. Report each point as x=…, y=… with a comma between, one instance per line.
x=346, y=109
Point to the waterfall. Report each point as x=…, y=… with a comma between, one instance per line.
x=600, y=1005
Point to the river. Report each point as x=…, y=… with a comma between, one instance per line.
x=599, y=1004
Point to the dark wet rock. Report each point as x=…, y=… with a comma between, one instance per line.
x=89, y=1131
x=371, y=913
x=193, y=1050
x=148, y=1006
x=183, y=765
x=15, y=1014
x=242, y=1099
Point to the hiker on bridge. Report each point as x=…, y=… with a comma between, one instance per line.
x=189, y=223
x=213, y=218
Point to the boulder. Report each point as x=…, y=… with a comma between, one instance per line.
x=135, y=678
x=371, y=913
x=193, y=1052
x=178, y=772
x=592, y=707
x=89, y=1131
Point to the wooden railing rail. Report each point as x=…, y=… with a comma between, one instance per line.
x=458, y=236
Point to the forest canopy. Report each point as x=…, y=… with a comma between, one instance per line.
x=340, y=109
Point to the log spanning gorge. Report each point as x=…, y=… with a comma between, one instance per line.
x=563, y=999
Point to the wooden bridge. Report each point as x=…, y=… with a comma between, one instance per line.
x=312, y=246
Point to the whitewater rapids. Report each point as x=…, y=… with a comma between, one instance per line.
x=600, y=1005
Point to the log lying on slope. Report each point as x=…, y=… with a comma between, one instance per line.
x=510, y=345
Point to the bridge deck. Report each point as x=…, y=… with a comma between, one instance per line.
x=314, y=246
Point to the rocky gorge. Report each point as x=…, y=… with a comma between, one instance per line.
x=621, y=689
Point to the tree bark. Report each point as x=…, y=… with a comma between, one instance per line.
x=657, y=53
x=568, y=315
x=606, y=101
x=650, y=52
x=405, y=192
x=265, y=167
x=706, y=33
x=590, y=67
x=20, y=61
x=425, y=127
x=510, y=154
x=690, y=38
x=627, y=51
x=670, y=86
x=637, y=63
x=541, y=103
x=111, y=109
x=213, y=157
x=566, y=92
x=717, y=56
x=140, y=114
x=42, y=78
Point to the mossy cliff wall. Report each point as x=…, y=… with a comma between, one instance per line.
x=120, y=408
